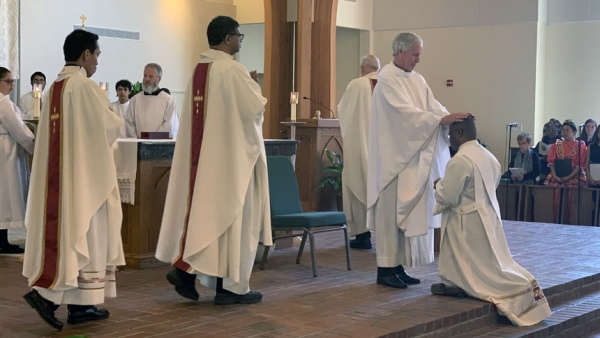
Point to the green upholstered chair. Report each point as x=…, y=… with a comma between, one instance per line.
x=287, y=214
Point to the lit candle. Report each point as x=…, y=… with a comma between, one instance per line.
x=37, y=99
x=104, y=87
x=294, y=102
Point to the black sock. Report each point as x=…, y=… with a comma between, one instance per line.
x=386, y=271
x=79, y=308
x=220, y=286
x=4, y=238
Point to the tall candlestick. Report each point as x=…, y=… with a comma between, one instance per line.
x=37, y=98
x=294, y=102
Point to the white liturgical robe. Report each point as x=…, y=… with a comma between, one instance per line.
x=74, y=215
x=407, y=148
x=353, y=112
x=151, y=113
x=228, y=203
x=26, y=105
x=120, y=109
x=474, y=254
x=16, y=140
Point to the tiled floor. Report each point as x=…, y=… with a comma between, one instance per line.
x=336, y=303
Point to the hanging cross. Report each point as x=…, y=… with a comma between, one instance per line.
x=83, y=18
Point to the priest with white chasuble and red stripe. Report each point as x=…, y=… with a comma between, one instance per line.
x=217, y=202
x=74, y=213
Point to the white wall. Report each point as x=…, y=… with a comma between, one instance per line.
x=572, y=69
x=173, y=34
x=252, y=54
x=358, y=14
x=494, y=73
x=347, y=59
x=250, y=11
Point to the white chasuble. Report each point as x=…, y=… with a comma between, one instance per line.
x=474, y=254
x=406, y=142
x=151, y=113
x=218, y=197
x=16, y=140
x=353, y=112
x=74, y=190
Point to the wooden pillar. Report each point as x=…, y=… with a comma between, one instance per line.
x=278, y=67
x=303, y=56
x=323, y=58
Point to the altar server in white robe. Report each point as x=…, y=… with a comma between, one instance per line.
x=123, y=88
x=474, y=255
x=218, y=198
x=74, y=216
x=353, y=112
x=408, y=149
x=16, y=141
x=26, y=100
x=153, y=109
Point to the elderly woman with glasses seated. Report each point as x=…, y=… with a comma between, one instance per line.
x=16, y=140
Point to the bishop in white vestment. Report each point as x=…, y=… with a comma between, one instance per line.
x=474, y=255
x=353, y=112
x=408, y=149
x=74, y=213
x=218, y=198
x=16, y=141
x=153, y=109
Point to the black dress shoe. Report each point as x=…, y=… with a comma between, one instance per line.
x=362, y=241
x=44, y=308
x=185, y=283
x=229, y=298
x=452, y=291
x=11, y=249
x=406, y=278
x=392, y=281
x=80, y=314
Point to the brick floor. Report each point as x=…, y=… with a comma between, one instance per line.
x=338, y=303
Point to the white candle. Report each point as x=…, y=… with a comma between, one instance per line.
x=294, y=102
x=103, y=86
x=37, y=97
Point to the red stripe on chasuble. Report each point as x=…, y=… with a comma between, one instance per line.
x=373, y=84
x=199, y=103
x=52, y=209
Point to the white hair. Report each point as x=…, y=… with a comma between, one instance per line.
x=370, y=61
x=403, y=42
x=155, y=66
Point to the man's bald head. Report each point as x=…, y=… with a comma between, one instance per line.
x=462, y=131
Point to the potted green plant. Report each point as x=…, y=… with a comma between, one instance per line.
x=334, y=176
x=136, y=88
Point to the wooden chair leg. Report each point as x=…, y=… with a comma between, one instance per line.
x=347, y=241
x=301, y=249
x=313, y=252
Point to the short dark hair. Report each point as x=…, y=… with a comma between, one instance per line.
x=219, y=28
x=468, y=127
x=37, y=74
x=3, y=72
x=77, y=43
x=125, y=84
x=571, y=125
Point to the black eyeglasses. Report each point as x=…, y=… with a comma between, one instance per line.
x=11, y=81
x=240, y=35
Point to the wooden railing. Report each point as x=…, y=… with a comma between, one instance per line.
x=536, y=203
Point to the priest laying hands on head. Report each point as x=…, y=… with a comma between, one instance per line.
x=474, y=257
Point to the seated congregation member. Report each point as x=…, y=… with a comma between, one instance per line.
x=588, y=133
x=593, y=157
x=26, y=101
x=474, y=257
x=525, y=159
x=552, y=131
x=123, y=88
x=16, y=140
x=153, y=109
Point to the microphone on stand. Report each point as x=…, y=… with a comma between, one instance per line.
x=308, y=98
x=514, y=124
